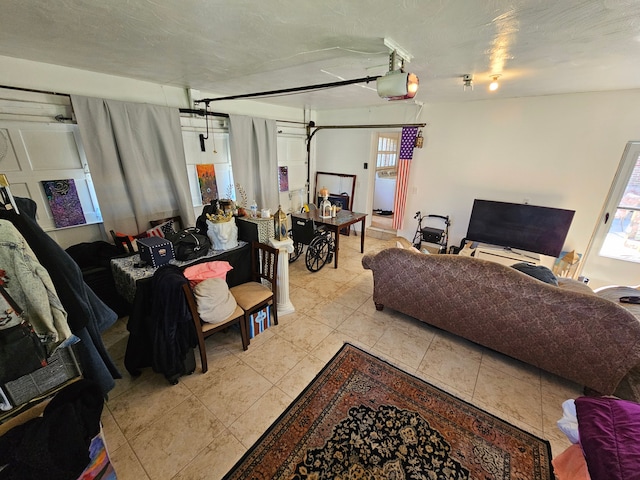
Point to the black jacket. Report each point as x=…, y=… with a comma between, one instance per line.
x=172, y=330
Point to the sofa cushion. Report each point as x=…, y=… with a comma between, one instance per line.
x=609, y=431
x=540, y=272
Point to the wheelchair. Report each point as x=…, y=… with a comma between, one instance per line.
x=319, y=242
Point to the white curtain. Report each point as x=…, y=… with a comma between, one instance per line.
x=253, y=148
x=136, y=157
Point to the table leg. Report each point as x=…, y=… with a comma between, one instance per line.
x=362, y=228
x=336, y=234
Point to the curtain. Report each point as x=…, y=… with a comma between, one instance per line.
x=136, y=158
x=253, y=148
x=407, y=143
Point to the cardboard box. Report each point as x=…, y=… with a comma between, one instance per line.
x=155, y=251
x=259, y=321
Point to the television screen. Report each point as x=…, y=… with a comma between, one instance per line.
x=531, y=228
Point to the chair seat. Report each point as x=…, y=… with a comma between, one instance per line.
x=250, y=294
x=238, y=312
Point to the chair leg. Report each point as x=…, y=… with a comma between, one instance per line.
x=203, y=353
x=274, y=309
x=244, y=332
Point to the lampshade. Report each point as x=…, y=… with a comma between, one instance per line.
x=397, y=85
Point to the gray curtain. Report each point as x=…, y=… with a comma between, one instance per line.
x=253, y=148
x=136, y=157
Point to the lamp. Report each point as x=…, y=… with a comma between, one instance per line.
x=494, y=85
x=280, y=224
x=325, y=205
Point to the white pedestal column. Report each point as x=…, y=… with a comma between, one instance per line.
x=285, y=247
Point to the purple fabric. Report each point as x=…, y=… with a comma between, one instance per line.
x=610, y=437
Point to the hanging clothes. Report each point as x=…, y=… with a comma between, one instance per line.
x=172, y=330
x=87, y=315
x=30, y=286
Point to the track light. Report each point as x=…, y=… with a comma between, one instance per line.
x=494, y=85
x=397, y=85
x=467, y=82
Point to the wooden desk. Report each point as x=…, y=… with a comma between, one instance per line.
x=344, y=218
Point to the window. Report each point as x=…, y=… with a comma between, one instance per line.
x=387, y=155
x=622, y=240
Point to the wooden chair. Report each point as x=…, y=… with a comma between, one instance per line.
x=255, y=295
x=123, y=243
x=203, y=329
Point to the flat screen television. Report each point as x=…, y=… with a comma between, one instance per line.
x=531, y=228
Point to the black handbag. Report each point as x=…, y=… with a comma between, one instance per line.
x=189, y=245
x=21, y=351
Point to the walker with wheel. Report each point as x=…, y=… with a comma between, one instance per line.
x=437, y=236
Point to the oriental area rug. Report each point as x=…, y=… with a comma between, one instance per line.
x=362, y=418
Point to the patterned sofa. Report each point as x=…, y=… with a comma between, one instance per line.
x=566, y=330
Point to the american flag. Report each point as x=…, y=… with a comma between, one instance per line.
x=407, y=143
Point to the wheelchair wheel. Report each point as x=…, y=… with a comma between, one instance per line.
x=298, y=248
x=318, y=253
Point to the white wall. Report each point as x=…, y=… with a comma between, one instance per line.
x=384, y=192
x=560, y=151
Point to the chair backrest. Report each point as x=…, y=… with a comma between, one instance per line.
x=123, y=243
x=264, y=265
x=302, y=230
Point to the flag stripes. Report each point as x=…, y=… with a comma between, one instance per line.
x=407, y=143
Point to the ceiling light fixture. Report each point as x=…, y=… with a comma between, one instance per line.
x=467, y=82
x=494, y=85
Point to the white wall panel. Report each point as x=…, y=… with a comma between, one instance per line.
x=51, y=148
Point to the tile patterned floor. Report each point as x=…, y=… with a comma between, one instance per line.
x=200, y=427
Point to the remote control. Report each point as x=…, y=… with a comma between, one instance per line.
x=630, y=299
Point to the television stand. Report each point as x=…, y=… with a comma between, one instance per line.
x=505, y=256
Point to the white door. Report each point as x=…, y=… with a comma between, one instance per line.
x=614, y=255
x=384, y=187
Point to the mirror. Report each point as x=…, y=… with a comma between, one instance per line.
x=341, y=188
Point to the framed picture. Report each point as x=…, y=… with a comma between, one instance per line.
x=207, y=182
x=64, y=202
x=283, y=178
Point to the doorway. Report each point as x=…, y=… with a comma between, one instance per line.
x=384, y=186
x=614, y=254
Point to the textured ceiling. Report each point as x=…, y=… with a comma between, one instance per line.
x=538, y=47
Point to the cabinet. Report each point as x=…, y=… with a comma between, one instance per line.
x=504, y=256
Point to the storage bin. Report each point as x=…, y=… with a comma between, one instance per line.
x=155, y=251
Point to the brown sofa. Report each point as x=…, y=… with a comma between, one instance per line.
x=565, y=330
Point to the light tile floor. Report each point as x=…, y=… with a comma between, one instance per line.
x=200, y=427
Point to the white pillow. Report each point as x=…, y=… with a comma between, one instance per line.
x=215, y=302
